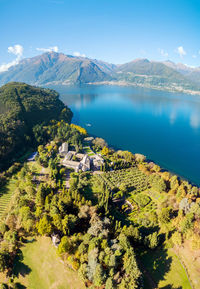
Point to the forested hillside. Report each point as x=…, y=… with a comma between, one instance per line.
x=120, y=226
x=22, y=108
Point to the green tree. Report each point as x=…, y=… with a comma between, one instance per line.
x=132, y=273
x=64, y=246
x=174, y=182
x=4, y=286
x=4, y=258
x=11, y=237
x=99, y=277
x=44, y=226
x=152, y=240
x=157, y=183
x=177, y=238
x=109, y=283
x=164, y=215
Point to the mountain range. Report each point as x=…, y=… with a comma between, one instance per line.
x=53, y=68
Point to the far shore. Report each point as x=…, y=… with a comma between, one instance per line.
x=128, y=84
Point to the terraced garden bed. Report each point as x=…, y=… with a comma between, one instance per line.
x=132, y=178
x=6, y=193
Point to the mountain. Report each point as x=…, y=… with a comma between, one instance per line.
x=22, y=108
x=55, y=68
x=192, y=73
x=180, y=67
x=154, y=74
x=58, y=68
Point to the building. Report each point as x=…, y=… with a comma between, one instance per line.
x=98, y=161
x=76, y=161
x=85, y=163
x=69, y=156
x=63, y=149
x=72, y=165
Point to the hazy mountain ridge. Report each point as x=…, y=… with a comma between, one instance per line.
x=58, y=68
x=143, y=72
x=192, y=73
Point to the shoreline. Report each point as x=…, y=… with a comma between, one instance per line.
x=129, y=84
x=149, y=160
x=125, y=84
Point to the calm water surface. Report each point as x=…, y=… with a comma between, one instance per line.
x=163, y=126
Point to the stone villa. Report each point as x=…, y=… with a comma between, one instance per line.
x=78, y=161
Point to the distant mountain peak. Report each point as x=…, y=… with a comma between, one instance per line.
x=59, y=68
x=141, y=60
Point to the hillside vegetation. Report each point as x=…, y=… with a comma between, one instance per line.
x=22, y=108
x=118, y=227
x=123, y=224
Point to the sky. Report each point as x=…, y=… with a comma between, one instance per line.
x=115, y=31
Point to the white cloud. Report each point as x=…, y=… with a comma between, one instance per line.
x=190, y=66
x=78, y=54
x=163, y=52
x=49, y=49
x=16, y=50
x=194, y=56
x=180, y=50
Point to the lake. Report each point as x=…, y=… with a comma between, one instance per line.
x=163, y=126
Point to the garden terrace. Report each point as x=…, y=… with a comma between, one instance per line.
x=132, y=178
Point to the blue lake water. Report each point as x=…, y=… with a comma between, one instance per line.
x=163, y=126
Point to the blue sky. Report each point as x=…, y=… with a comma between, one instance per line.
x=116, y=31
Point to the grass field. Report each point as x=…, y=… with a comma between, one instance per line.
x=88, y=150
x=165, y=269
x=42, y=268
x=191, y=260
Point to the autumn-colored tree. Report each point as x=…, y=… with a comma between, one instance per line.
x=44, y=226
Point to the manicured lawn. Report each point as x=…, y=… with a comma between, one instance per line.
x=165, y=269
x=42, y=268
x=88, y=150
